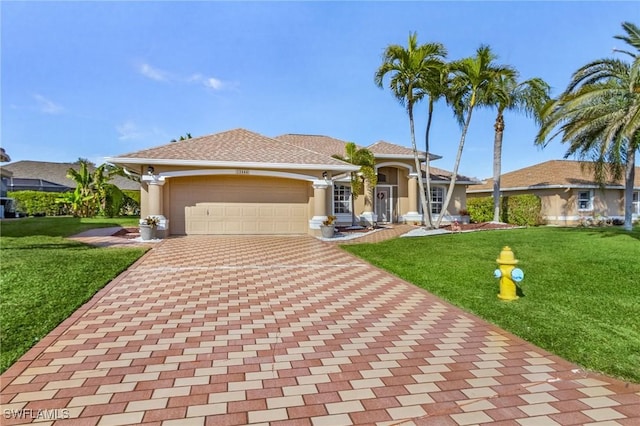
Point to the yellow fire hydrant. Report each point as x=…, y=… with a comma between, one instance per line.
x=508, y=274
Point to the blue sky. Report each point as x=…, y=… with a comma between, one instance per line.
x=96, y=79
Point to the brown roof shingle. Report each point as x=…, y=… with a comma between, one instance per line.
x=318, y=143
x=553, y=173
x=57, y=173
x=233, y=146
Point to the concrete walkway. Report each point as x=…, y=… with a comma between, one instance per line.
x=291, y=331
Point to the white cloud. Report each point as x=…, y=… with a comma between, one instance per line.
x=47, y=105
x=153, y=73
x=129, y=131
x=208, y=82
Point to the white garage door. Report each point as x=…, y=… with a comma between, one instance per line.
x=238, y=205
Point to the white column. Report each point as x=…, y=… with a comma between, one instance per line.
x=319, y=203
x=412, y=216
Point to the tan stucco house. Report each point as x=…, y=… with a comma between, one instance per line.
x=241, y=182
x=567, y=190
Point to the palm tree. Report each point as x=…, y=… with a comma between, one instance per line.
x=599, y=116
x=528, y=97
x=363, y=158
x=408, y=67
x=83, y=198
x=470, y=81
x=434, y=85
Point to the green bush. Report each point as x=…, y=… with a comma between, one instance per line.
x=480, y=209
x=522, y=210
x=38, y=203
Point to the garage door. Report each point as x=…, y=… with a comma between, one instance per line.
x=238, y=205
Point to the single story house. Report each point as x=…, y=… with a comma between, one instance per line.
x=241, y=182
x=51, y=177
x=568, y=191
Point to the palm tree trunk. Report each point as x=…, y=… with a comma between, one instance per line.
x=429, y=219
x=423, y=200
x=497, y=164
x=455, y=166
x=629, y=177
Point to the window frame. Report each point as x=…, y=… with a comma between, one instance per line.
x=579, y=199
x=341, y=198
x=635, y=203
x=439, y=203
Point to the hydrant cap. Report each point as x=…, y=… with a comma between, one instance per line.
x=506, y=257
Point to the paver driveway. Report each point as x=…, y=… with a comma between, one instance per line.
x=290, y=330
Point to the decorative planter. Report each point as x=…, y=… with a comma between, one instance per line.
x=147, y=232
x=328, y=231
x=465, y=219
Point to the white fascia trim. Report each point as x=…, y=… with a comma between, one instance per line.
x=530, y=188
x=237, y=172
x=239, y=164
x=421, y=156
x=458, y=182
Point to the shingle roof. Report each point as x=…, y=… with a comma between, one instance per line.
x=57, y=173
x=384, y=149
x=234, y=146
x=441, y=175
x=553, y=173
x=322, y=144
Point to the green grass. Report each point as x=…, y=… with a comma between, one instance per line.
x=581, y=290
x=44, y=277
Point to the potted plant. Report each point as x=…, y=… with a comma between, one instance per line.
x=148, y=227
x=464, y=216
x=327, y=228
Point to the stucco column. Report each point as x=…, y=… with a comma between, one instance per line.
x=154, y=202
x=412, y=216
x=319, y=203
x=368, y=217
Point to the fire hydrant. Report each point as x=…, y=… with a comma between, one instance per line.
x=508, y=274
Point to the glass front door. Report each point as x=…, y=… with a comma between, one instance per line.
x=384, y=204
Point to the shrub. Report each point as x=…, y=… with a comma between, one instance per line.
x=37, y=203
x=480, y=209
x=523, y=210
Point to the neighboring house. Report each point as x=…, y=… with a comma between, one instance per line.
x=568, y=191
x=241, y=182
x=51, y=177
x=5, y=175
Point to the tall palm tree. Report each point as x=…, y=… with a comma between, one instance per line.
x=470, y=81
x=433, y=85
x=599, y=116
x=505, y=93
x=407, y=68
x=363, y=158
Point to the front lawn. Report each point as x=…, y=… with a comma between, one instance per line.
x=581, y=287
x=45, y=277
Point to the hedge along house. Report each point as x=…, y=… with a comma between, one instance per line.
x=568, y=191
x=395, y=198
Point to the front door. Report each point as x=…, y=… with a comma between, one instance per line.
x=384, y=204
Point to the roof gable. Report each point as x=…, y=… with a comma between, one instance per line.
x=552, y=174
x=233, y=146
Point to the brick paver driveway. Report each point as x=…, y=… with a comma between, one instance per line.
x=290, y=330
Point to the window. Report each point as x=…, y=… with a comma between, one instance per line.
x=437, y=199
x=341, y=199
x=584, y=200
x=635, y=203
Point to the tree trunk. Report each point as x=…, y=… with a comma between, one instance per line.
x=429, y=219
x=456, y=165
x=629, y=177
x=497, y=164
x=416, y=160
